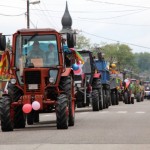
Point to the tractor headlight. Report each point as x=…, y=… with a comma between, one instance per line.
x=53, y=76
x=13, y=81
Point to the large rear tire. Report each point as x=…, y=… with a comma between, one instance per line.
x=113, y=98
x=132, y=100
x=104, y=99
x=138, y=97
x=6, y=120
x=67, y=85
x=14, y=92
x=19, y=118
x=32, y=117
x=126, y=100
x=95, y=100
x=62, y=112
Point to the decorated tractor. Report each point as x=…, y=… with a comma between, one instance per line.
x=128, y=91
x=87, y=82
x=39, y=78
x=3, y=60
x=111, y=80
x=116, y=79
x=138, y=90
x=103, y=68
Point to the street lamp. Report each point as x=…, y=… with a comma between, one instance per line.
x=28, y=14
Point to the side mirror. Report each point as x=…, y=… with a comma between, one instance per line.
x=71, y=41
x=2, y=42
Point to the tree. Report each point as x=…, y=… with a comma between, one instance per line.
x=118, y=53
x=82, y=42
x=8, y=44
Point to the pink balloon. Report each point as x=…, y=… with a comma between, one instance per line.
x=27, y=108
x=36, y=105
x=78, y=72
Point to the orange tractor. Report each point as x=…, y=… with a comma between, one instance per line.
x=37, y=83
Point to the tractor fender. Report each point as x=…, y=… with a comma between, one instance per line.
x=96, y=75
x=67, y=72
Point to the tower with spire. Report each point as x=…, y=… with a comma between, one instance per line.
x=67, y=31
x=66, y=20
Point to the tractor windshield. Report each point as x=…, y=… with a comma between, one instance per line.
x=36, y=51
x=86, y=68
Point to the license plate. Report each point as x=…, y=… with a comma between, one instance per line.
x=33, y=86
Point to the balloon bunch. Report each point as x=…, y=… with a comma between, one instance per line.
x=27, y=108
x=77, y=66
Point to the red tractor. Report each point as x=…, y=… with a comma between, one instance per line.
x=88, y=85
x=39, y=79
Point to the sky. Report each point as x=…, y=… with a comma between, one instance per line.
x=102, y=21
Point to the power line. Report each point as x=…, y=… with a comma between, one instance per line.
x=115, y=23
x=12, y=15
x=114, y=16
x=119, y=4
x=115, y=40
x=49, y=15
x=103, y=11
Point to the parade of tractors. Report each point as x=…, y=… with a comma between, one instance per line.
x=44, y=71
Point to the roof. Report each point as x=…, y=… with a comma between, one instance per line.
x=36, y=30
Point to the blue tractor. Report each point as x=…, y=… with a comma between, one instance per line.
x=103, y=68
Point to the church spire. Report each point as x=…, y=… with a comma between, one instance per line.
x=66, y=19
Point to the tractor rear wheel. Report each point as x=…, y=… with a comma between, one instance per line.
x=67, y=85
x=14, y=92
x=6, y=120
x=95, y=100
x=132, y=100
x=126, y=98
x=104, y=100
x=19, y=118
x=117, y=98
x=107, y=99
x=62, y=112
x=32, y=117
x=138, y=97
x=113, y=98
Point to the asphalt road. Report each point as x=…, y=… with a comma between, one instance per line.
x=122, y=127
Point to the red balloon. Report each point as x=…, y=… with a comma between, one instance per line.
x=27, y=108
x=77, y=72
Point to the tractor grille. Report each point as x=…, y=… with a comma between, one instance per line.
x=77, y=78
x=32, y=77
x=35, y=90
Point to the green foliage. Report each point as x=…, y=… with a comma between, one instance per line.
x=82, y=42
x=8, y=44
x=121, y=54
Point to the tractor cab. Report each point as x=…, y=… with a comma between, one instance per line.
x=87, y=67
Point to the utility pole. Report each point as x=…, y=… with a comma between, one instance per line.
x=28, y=11
x=28, y=16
